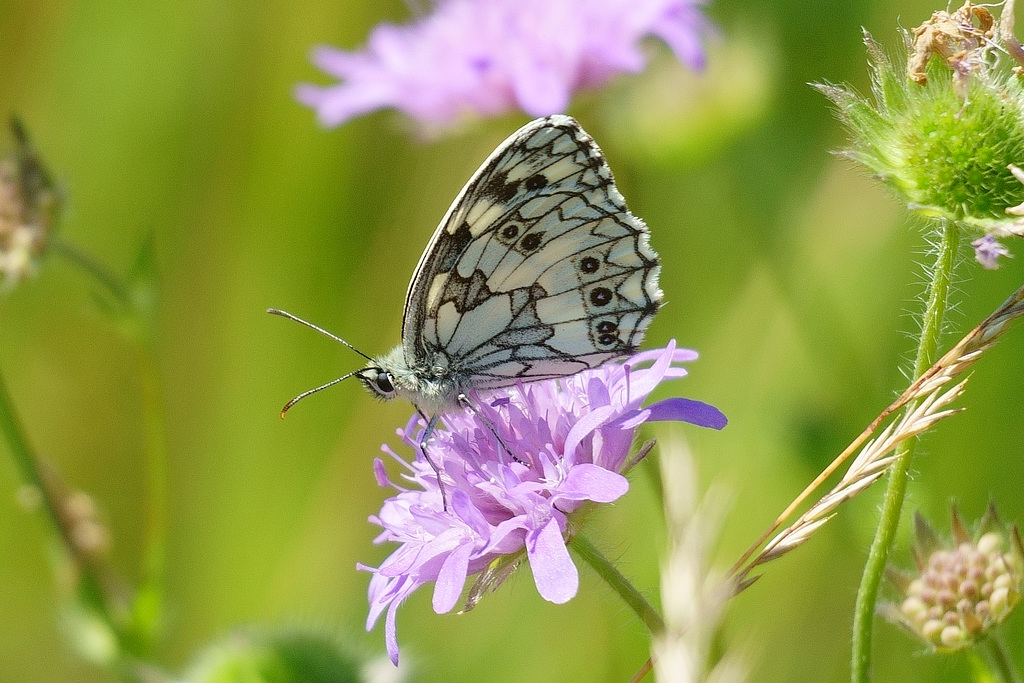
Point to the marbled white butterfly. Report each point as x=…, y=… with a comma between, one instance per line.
x=538, y=270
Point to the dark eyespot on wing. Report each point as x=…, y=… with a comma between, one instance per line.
x=531, y=241
x=600, y=296
x=536, y=181
x=510, y=232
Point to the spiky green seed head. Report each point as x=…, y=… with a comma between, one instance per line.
x=945, y=121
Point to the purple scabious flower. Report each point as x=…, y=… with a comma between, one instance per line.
x=571, y=438
x=491, y=56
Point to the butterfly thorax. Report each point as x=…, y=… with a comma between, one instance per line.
x=433, y=385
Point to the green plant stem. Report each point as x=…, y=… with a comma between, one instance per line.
x=931, y=327
x=619, y=583
x=106, y=278
x=10, y=424
x=90, y=584
x=998, y=659
x=148, y=605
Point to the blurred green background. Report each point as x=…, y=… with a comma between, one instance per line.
x=793, y=274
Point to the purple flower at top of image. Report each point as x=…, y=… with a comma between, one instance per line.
x=571, y=437
x=987, y=251
x=491, y=56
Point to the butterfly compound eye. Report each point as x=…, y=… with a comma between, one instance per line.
x=385, y=383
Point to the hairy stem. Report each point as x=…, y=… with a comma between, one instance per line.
x=931, y=327
x=619, y=583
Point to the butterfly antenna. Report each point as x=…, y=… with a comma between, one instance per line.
x=304, y=394
x=286, y=314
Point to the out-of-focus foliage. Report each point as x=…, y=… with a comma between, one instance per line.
x=791, y=272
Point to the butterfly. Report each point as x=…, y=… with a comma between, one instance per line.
x=538, y=270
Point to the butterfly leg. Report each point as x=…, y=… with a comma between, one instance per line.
x=431, y=425
x=468, y=405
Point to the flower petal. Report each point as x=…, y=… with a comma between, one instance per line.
x=539, y=89
x=451, y=579
x=441, y=544
x=632, y=420
x=380, y=474
x=469, y=513
x=687, y=410
x=391, y=632
x=681, y=29
x=583, y=427
x=597, y=393
x=590, y=482
x=376, y=597
x=643, y=382
x=554, y=573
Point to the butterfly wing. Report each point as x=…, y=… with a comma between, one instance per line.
x=537, y=270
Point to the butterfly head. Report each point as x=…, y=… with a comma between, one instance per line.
x=387, y=376
x=378, y=381
x=430, y=387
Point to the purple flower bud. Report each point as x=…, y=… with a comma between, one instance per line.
x=987, y=251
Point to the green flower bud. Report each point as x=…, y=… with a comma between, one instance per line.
x=946, y=122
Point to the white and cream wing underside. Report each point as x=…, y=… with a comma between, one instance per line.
x=537, y=270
